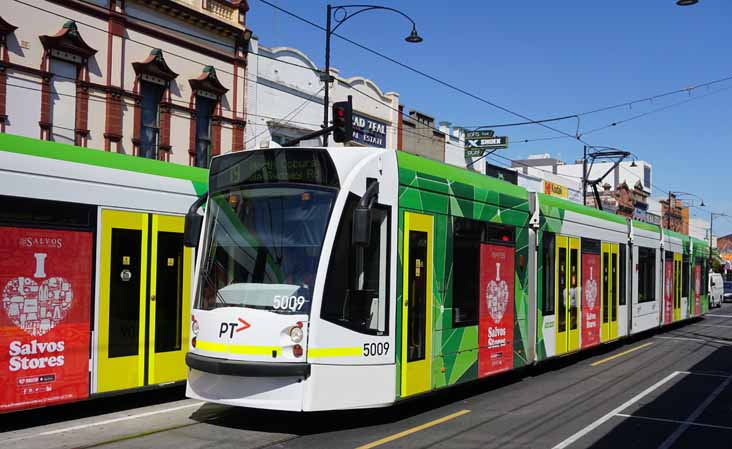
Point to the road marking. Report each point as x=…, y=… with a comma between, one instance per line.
x=707, y=373
x=613, y=357
x=427, y=425
x=705, y=340
x=675, y=421
x=597, y=423
x=720, y=316
x=694, y=415
x=102, y=423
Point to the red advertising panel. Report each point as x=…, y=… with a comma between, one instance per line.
x=496, y=309
x=668, y=292
x=590, y=299
x=697, y=290
x=45, y=277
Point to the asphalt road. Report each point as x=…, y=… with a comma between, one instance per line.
x=670, y=389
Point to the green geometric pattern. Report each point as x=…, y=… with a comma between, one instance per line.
x=444, y=191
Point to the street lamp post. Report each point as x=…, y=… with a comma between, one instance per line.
x=711, y=229
x=676, y=193
x=340, y=14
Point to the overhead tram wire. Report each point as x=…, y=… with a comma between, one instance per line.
x=414, y=70
x=529, y=121
x=437, y=80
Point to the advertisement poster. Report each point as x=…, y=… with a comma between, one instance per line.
x=45, y=277
x=496, y=309
x=668, y=292
x=590, y=300
x=697, y=289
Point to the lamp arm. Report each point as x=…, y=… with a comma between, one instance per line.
x=364, y=8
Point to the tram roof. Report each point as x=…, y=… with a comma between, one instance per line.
x=70, y=153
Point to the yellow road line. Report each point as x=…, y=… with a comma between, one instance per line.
x=426, y=425
x=613, y=357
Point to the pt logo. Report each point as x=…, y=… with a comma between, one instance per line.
x=230, y=328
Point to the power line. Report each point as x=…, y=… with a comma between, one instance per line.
x=415, y=70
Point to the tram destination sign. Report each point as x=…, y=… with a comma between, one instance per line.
x=477, y=142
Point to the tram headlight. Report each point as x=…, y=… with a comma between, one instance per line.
x=296, y=334
x=194, y=327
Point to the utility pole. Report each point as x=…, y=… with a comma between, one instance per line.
x=584, y=176
x=668, y=211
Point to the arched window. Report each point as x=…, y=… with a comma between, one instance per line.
x=65, y=93
x=151, y=138
x=205, y=128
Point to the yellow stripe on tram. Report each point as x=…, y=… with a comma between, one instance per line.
x=334, y=352
x=237, y=349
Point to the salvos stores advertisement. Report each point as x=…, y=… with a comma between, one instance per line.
x=496, y=309
x=45, y=277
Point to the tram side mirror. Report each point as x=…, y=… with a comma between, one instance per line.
x=361, y=228
x=192, y=229
x=193, y=223
x=361, y=231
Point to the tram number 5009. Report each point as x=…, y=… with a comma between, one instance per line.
x=373, y=349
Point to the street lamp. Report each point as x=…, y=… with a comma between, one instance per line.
x=340, y=14
x=676, y=194
x=686, y=2
x=711, y=228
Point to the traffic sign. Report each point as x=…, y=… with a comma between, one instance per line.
x=476, y=146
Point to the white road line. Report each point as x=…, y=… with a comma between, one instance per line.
x=614, y=412
x=704, y=340
x=706, y=373
x=720, y=316
x=102, y=423
x=694, y=415
x=698, y=424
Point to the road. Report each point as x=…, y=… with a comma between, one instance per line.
x=670, y=389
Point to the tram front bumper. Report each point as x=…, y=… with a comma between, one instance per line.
x=245, y=368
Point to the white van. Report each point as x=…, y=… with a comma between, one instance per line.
x=716, y=290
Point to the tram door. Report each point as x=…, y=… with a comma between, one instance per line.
x=417, y=304
x=567, y=294
x=677, y=286
x=609, y=291
x=144, y=300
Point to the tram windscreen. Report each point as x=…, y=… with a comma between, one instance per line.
x=264, y=245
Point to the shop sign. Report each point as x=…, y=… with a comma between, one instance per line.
x=45, y=277
x=645, y=216
x=368, y=131
x=554, y=189
x=477, y=142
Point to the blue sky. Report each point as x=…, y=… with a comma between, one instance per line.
x=553, y=58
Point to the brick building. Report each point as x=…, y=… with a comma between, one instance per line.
x=162, y=79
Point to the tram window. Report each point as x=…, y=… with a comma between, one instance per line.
x=646, y=274
x=614, y=280
x=465, y=271
x=562, y=312
x=605, y=286
x=356, y=287
x=685, y=276
x=573, y=282
x=623, y=266
x=46, y=214
x=547, y=247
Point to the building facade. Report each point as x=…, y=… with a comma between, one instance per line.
x=161, y=79
x=418, y=135
x=285, y=101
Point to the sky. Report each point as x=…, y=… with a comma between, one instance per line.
x=545, y=59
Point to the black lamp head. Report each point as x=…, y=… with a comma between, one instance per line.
x=413, y=37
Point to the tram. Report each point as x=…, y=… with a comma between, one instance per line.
x=94, y=276
x=347, y=278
